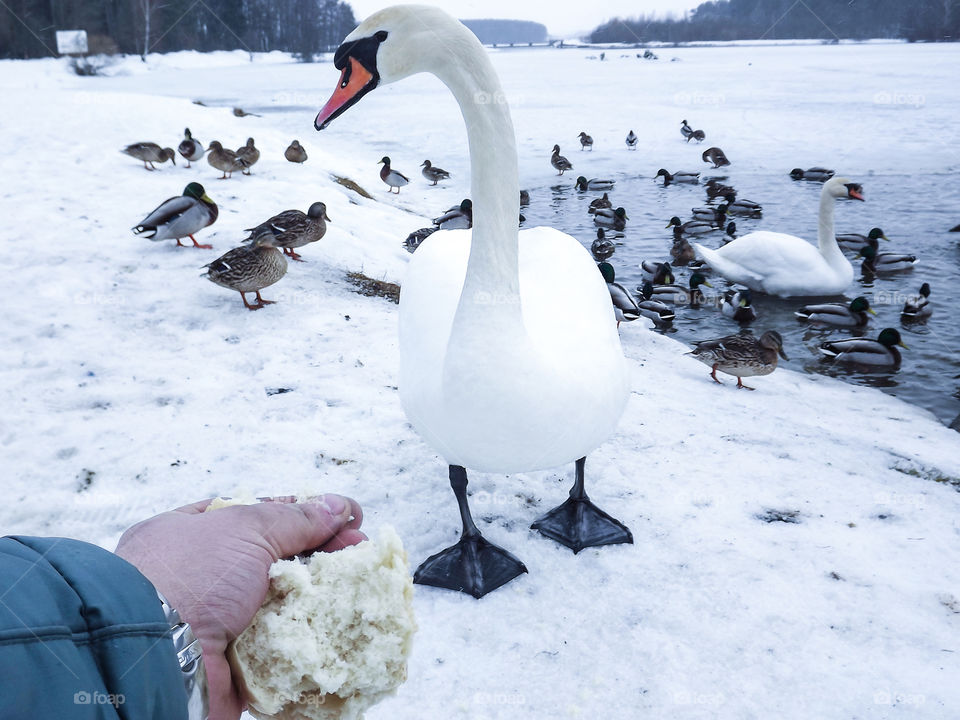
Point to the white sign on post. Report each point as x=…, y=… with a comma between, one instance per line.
x=72, y=42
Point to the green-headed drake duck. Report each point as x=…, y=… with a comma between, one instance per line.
x=814, y=174
x=292, y=228
x=249, y=154
x=180, y=217
x=418, y=236
x=856, y=241
x=631, y=141
x=691, y=227
x=607, y=217
x=559, y=162
x=295, y=152
x=433, y=174
x=852, y=314
x=741, y=355
x=716, y=156
x=224, y=160
x=737, y=305
x=250, y=268
x=624, y=306
x=918, y=306
x=659, y=312
x=730, y=233
x=603, y=247
x=593, y=184
x=681, y=176
x=149, y=153
x=863, y=351
x=742, y=206
x=391, y=177
x=600, y=203
x=459, y=217
x=876, y=262
x=685, y=130
x=679, y=295
x=658, y=273
x=585, y=141
x=190, y=148
x=716, y=215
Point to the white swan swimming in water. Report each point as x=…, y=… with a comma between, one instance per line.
x=786, y=265
x=498, y=371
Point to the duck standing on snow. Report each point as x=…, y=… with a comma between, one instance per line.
x=631, y=141
x=585, y=141
x=224, y=160
x=249, y=154
x=615, y=219
x=863, y=351
x=593, y=184
x=433, y=174
x=494, y=386
x=250, y=268
x=190, y=148
x=292, y=229
x=624, y=306
x=150, y=153
x=603, y=247
x=559, y=162
x=741, y=355
x=918, y=306
x=856, y=241
x=681, y=176
x=874, y=262
x=391, y=177
x=295, y=152
x=716, y=156
x=785, y=265
x=814, y=174
x=180, y=217
x=698, y=135
x=685, y=130
x=853, y=314
x=601, y=203
x=737, y=305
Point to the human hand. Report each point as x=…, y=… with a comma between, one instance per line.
x=212, y=567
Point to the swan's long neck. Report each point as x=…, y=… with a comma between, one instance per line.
x=826, y=238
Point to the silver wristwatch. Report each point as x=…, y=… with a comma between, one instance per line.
x=190, y=657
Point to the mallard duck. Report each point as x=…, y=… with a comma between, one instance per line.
x=459, y=217
x=685, y=130
x=853, y=314
x=657, y=273
x=295, y=153
x=874, y=262
x=918, y=306
x=863, y=351
x=433, y=174
x=624, y=306
x=717, y=189
x=678, y=294
x=249, y=154
x=730, y=233
x=250, y=268
x=681, y=176
x=814, y=174
x=616, y=219
x=736, y=305
x=149, y=153
x=392, y=178
x=418, y=236
x=292, y=229
x=698, y=135
x=585, y=141
x=593, y=184
x=240, y=112
x=741, y=355
x=180, y=217
x=559, y=162
x=659, y=312
x=691, y=227
x=715, y=215
x=716, y=156
x=190, y=148
x=603, y=247
x=742, y=207
x=599, y=204
x=682, y=253
x=631, y=141
x=224, y=160
x=856, y=241
x=524, y=198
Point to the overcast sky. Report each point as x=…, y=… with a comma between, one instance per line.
x=564, y=18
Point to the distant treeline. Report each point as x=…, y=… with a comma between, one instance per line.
x=788, y=19
x=505, y=32
x=305, y=27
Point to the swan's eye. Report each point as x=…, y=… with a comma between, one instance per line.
x=380, y=35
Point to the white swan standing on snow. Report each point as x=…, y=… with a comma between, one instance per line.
x=785, y=265
x=498, y=371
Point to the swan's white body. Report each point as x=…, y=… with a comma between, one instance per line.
x=499, y=372
x=786, y=265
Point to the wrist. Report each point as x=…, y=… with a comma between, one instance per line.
x=190, y=660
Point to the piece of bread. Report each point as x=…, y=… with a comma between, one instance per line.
x=333, y=635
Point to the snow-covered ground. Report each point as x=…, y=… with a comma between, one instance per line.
x=131, y=385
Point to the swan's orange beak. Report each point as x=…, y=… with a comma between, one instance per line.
x=355, y=82
x=855, y=193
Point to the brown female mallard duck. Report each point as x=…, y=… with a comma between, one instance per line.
x=559, y=162
x=600, y=204
x=585, y=141
x=190, y=148
x=149, y=153
x=741, y=355
x=180, y=217
x=433, y=174
x=224, y=160
x=250, y=268
x=292, y=229
x=716, y=156
x=249, y=154
x=603, y=247
x=295, y=153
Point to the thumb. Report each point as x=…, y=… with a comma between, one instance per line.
x=292, y=528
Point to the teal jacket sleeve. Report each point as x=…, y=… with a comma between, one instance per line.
x=82, y=636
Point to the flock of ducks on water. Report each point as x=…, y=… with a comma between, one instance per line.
x=262, y=260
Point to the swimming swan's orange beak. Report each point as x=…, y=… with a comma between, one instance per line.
x=355, y=82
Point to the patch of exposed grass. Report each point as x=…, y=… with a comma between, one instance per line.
x=375, y=288
x=928, y=474
x=351, y=185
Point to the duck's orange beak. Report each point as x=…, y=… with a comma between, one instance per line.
x=355, y=82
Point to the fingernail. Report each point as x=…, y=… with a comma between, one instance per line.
x=334, y=504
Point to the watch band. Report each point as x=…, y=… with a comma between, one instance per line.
x=190, y=658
